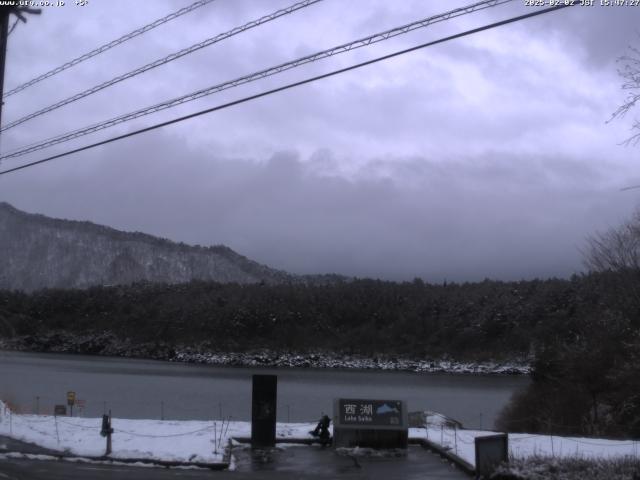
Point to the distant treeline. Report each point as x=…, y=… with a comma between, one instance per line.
x=471, y=321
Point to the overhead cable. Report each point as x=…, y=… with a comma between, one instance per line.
x=162, y=61
x=371, y=39
x=290, y=85
x=108, y=46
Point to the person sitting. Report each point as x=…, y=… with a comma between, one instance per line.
x=322, y=429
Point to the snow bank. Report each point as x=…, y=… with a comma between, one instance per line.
x=461, y=443
x=206, y=441
x=523, y=445
x=183, y=441
x=545, y=468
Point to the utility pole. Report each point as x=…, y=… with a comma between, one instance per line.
x=5, y=13
x=4, y=34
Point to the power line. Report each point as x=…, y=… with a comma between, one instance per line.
x=375, y=38
x=108, y=46
x=169, y=58
x=290, y=85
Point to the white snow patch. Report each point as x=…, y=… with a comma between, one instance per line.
x=462, y=443
x=183, y=441
x=207, y=441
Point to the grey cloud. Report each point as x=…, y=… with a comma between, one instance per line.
x=602, y=33
x=495, y=216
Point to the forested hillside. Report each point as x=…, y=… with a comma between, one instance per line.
x=483, y=320
x=41, y=252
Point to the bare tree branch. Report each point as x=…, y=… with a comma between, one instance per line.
x=629, y=71
x=616, y=249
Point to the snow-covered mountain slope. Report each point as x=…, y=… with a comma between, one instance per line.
x=41, y=252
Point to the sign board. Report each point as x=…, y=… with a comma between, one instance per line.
x=379, y=413
x=60, y=410
x=71, y=398
x=370, y=423
x=81, y=403
x=491, y=451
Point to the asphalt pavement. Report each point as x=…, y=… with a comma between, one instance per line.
x=285, y=463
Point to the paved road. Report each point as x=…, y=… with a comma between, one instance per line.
x=283, y=463
x=8, y=444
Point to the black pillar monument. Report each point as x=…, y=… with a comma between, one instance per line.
x=263, y=412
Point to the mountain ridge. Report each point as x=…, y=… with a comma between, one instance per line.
x=37, y=251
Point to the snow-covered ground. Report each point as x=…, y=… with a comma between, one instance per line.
x=185, y=441
x=205, y=441
x=461, y=443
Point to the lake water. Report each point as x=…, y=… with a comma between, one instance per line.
x=133, y=388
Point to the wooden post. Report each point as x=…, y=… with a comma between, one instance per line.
x=109, y=432
x=426, y=424
x=455, y=432
x=106, y=431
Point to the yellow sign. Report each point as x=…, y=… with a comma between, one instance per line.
x=71, y=398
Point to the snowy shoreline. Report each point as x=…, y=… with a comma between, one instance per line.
x=108, y=345
x=331, y=360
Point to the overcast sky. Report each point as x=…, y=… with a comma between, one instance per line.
x=487, y=156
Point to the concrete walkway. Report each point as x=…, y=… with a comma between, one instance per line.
x=284, y=462
x=318, y=462
x=8, y=444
